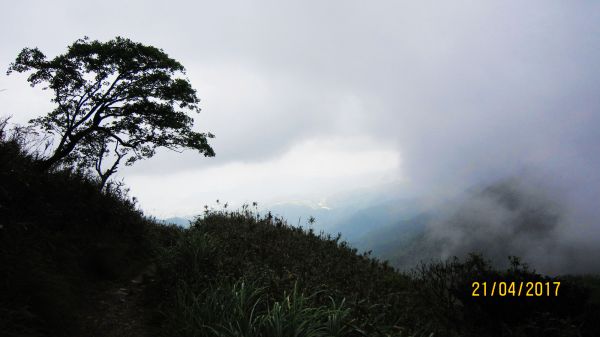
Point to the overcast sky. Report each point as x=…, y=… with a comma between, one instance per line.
x=308, y=99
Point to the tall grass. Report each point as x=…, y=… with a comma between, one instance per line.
x=60, y=240
x=239, y=274
x=235, y=273
x=242, y=309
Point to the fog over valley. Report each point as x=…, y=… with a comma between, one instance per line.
x=417, y=129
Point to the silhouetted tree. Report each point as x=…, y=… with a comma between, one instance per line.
x=117, y=100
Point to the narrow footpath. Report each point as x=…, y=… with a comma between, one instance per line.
x=119, y=310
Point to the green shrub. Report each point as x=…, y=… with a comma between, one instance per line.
x=240, y=274
x=444, y=303
x=349, y=292
x=242, y=309
x=60, y=240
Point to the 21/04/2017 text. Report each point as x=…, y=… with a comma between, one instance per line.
x=515, y=289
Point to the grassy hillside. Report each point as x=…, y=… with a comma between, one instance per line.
x=63, y=244
x=277, y=263
x=61, y=240
x=240, y=274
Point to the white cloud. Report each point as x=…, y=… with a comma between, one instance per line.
x=465, y=90
x=312, y=169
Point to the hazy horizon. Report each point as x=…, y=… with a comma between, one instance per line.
x=313, y=100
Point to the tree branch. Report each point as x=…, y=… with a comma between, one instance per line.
x=117, y=138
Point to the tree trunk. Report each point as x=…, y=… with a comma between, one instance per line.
x=64, y=151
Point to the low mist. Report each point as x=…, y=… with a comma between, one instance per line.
x=519, y=216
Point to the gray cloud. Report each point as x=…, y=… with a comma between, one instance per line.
x=517, y=216
x=467, y=92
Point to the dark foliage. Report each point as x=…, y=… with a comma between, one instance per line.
x=238, y=273
x=228, y=247
x=443, y=291
x=60, y=239
x=117, y=100
x=225, y=248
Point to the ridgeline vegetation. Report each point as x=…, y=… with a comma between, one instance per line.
x=78, y=258
x=73, y=258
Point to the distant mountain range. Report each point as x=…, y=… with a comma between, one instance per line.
x=500, y=219
x=382, y=226
x=388, y=228
x=176, y=220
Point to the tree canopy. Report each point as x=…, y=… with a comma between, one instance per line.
x=115, y=101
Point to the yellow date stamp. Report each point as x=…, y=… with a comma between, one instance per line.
x=515, y=289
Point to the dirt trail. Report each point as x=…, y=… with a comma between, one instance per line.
x=119, y=311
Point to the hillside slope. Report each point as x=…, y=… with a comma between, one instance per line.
x=61, y=242
x=68, y=254
x=240, y=274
